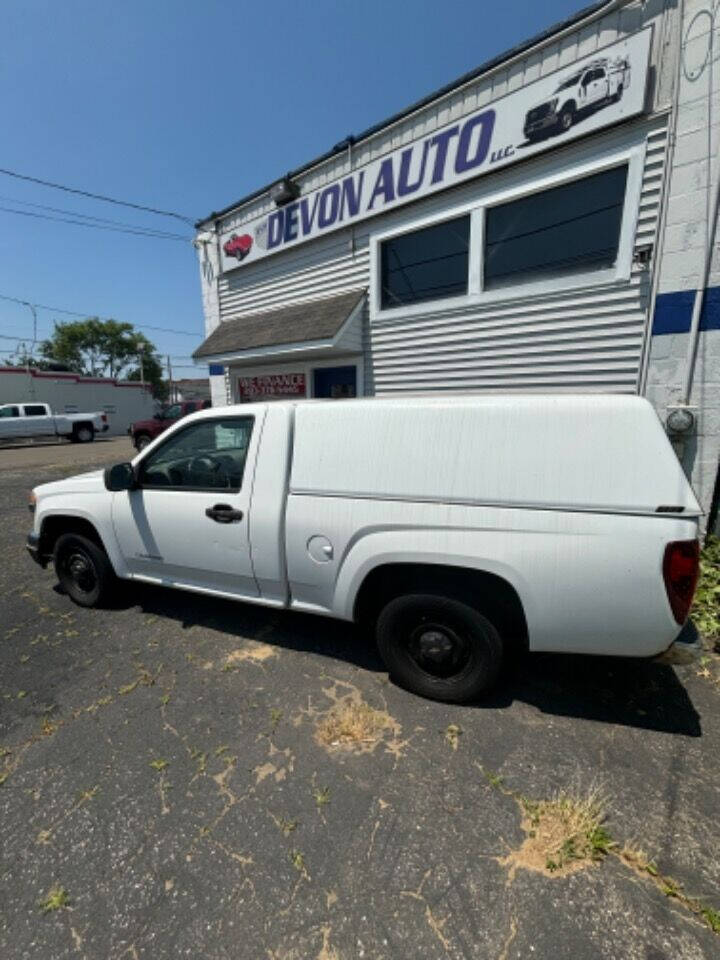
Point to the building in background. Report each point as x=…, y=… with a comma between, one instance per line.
x=190, y=389
x=546, y=222
x=124, y=401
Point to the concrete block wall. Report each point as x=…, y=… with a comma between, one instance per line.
x=693, y=175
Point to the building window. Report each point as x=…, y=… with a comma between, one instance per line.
x=567, y=229
x=427, y=264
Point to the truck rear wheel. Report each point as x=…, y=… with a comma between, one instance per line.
x=84, y=570
x=83, y=433
x=439, y=647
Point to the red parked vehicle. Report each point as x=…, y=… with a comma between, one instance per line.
x=143, y=431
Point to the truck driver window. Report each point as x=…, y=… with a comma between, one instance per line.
x=208, y=455
x=427, y=264
x=35, y=411
x=567, y=229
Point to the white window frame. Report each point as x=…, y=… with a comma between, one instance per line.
x=632, y=154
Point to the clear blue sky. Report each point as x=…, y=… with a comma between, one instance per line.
x=187, y=106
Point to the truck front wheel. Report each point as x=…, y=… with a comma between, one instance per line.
x=141, y=441
x=84, y=570
x=566, y=118
x=439, y=647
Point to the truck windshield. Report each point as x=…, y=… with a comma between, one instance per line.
x=570, y=82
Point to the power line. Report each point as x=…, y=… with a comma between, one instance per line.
x=87, y=216
x=154, y=234
x=96, y=196
x=75, y=313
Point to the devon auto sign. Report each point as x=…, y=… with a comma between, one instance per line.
x=583, y=96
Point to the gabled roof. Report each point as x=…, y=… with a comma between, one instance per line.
x=295, y=324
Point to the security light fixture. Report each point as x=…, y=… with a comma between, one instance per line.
x=284, y=191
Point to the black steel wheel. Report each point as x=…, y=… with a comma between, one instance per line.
x=439, y=647
x=83, y=569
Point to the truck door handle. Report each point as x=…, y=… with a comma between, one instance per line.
x=224, y=513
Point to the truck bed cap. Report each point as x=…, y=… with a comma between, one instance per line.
x=574, y=452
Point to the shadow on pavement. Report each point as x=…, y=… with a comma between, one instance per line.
x=617, y=690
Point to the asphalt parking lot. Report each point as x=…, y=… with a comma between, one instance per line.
x=172, y=786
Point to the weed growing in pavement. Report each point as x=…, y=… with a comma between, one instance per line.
x=322, y=797
x=159, y=764
x=298, y=860
x=55, y=899
x=352, y=721
x=452, y=735
x=568, y=832
x=638, y=861
x=563, y=833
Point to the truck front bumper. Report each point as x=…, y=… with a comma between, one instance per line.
x=546, y=123
x=33, y=548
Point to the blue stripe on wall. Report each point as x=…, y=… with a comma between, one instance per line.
x=217, y=369
x=673, y=311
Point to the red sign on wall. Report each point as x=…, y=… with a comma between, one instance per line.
x=272, y=385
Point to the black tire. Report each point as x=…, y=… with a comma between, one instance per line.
x=439, y=647
x=141, y=441
x=566, y=118
x=83, y=433
x=84, y=570
x=617, y=95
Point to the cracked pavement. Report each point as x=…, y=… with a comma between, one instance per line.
x=161, y=765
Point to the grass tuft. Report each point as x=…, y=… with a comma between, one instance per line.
x=452, y=735
x=159, y=764
x=55, y=900
x=352, y=721
x=563, y=833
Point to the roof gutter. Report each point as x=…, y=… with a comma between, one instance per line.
x=557, y=32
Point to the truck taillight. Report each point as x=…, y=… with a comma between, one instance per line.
x=103, y=417
x=681, y=566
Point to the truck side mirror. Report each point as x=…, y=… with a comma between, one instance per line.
x=120, y=476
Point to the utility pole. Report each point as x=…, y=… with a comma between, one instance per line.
x=142, y=369
x=170, y=380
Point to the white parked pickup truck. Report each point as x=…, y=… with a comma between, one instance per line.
x=455, y=528
x=599, y=83
x=22, y=420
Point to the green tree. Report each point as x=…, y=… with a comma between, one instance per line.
x=105, y=348
x=152, y=373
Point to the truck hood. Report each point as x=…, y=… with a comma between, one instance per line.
x=81, y=483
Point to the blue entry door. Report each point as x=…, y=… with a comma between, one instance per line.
x=335, y=382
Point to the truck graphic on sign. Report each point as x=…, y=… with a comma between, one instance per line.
x=599, y=83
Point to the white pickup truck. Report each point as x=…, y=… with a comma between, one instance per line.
x=457, y=529
x=23, y=420
x=599, y=83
